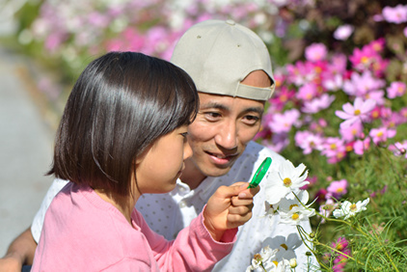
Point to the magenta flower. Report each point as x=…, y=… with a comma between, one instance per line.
x=334, y=149
x=397, y=14
x=352, y=132
x=396, y=89
x=308, y=141
x=338, y=188
x=316, y=52
x=362, y=85
x=380, y=135
x=334, y=83
x=399, y=149
x=343, y=32
x=282, y=122
x=359, y=112
x=360, y=146
x=318, y=104
x=307, y=91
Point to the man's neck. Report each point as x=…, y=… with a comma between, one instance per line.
x=192, y=175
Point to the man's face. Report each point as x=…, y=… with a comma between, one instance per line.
x=222, y=129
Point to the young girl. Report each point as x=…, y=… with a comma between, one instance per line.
x=123, y=134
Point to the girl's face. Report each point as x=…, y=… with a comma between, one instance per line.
x=161, y=164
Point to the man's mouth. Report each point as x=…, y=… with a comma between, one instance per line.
x=221, y=159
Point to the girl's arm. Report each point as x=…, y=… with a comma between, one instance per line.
x=210, y=236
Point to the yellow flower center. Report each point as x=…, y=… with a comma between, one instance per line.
x=292, y=206
x=283, y=98
x=357, y=112
x=364, y=59
x=295, y=216
x=276, y=263
x=333, y=146
x=258, y=257
x=287, y=182
x=353, y=207
x=380, y=134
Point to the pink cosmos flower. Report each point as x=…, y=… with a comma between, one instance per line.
x=396, y=89
x=334, y=149
x=352, y=132
x=316, y=52
x=334, y=83
x=359, y=112
x=360, y=146
x=362, y=84
x=380, y=135
x=399, y=149
x=308, y=141
x=281, y=97
x=300, y=73
x=318, y=104
x=338, y=188
x=343, y=32
x=397, y=14
x=307, y=91
x=282, y=122
x=340, y=261
x=279, y=141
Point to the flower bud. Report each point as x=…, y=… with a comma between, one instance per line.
x=293, y=263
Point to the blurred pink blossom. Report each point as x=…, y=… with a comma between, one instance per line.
x=397, y=14
x=316, y=52
x=338, y=188
x=343, y=32
x=317, y=104
x=397, y=88
x=352, y=132
x=362, y=84
x=359, y=112
x=308, y=141
x=307, y=92
x=360, y=146
x=334, y=149
x=282, y=122
x=399, y=149
x=380, y=135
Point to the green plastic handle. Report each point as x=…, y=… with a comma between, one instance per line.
x=261, y=171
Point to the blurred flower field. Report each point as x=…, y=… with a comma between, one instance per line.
x=340, y=106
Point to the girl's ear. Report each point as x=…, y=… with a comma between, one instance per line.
x=141, y=156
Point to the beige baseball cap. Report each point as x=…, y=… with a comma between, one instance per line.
x=218, y=55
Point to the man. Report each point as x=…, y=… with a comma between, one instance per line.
x=231, y=68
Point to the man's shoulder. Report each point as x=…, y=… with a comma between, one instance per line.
x=257, y=153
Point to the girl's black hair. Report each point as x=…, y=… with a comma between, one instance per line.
x=121, y=103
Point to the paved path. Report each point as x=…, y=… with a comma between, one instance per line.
x=25, y=151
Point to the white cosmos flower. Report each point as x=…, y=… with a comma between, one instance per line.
x=287, y=179
x=292, y=211
x=349, y=209
x=264, y=259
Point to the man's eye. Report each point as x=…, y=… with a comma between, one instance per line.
x=212, y=115
x=250, y=119
x=184, y=134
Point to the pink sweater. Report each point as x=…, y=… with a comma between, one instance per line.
x=82, y=232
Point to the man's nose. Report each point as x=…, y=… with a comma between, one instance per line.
x=227, y=136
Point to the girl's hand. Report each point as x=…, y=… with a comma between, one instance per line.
x=228, y=208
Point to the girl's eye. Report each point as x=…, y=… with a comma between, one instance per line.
x=184, y=134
